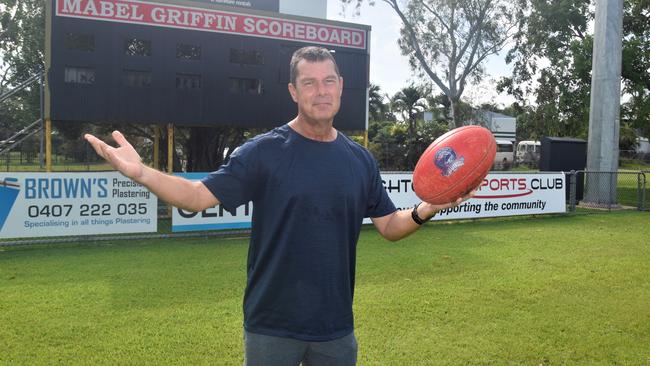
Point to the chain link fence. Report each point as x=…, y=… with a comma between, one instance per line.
x=608, y=190
x=66, y=157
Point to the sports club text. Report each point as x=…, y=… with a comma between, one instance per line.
x=405, y=185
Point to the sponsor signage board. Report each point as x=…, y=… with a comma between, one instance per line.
x=507, y=194
x=500, y=194
x=63, y=204
x=214, y=218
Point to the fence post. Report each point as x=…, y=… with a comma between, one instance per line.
x=41, y=157
x=572, y=191
x=641, y=186
x=613, y=184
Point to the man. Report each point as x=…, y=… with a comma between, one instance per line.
x=311, y=187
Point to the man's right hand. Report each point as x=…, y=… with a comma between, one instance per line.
x=123, y=158
x=179, y=192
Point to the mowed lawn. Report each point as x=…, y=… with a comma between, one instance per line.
x=558, y=290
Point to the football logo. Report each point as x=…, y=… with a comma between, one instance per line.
x=447, y=161
x=9, y=189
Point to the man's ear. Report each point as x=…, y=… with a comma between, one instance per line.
x=341, y=84
x=293, y=92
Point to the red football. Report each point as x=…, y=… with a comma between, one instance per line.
x=454, y=164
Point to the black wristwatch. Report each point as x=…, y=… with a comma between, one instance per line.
x=418, y=220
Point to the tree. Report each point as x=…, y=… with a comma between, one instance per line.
x=22, y=24
x=636, y=65
x=377, y=109
x=217, y=143
x=448, y=40
x=391, y=145
x=21, y=55
x=409, y=103
x=552, y=60
x=22, y=30
x=555, y=31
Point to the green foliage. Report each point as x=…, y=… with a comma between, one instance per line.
x=395, y=149
x=557, y=32
x=448, y=41
x=21, y=56
x=22, y=24
x=378, y=110
x=636, y=65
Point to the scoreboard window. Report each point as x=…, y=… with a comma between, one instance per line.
x=136, y=78
x=246, y=57
x=188, y=51
x=80, y=42
x=244, y=86
x=137, y=47
x=79, y=75
x=188, y=82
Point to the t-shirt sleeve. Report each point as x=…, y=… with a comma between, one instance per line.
x=236, y=182
x=379, y=204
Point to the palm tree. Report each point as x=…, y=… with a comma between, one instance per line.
x=377, y=108
x=408, y=103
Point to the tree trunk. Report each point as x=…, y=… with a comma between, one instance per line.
x=455, y=115
x=209, y=147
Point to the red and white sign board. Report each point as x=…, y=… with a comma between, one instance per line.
x=209, y=20
x=500, y=194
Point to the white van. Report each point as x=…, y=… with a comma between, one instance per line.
x=505, y=155
x=528, y=152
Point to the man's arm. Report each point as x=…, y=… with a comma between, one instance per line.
x=400, y=224
x=177, y=191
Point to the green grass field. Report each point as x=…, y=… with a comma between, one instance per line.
x=557, y=290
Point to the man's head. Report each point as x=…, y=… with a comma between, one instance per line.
x=309, y=54
x=316, y=84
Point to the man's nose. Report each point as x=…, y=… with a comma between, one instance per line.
x=321, y=87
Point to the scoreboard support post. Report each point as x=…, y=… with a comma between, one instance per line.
x=156, y=147
x=48, y=145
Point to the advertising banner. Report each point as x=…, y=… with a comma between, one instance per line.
x=500, y=194
x=61, y=204
x=201, y=19
x=215, y=218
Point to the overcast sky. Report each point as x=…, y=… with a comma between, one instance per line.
x=390, y=70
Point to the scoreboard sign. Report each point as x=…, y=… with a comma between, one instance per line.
x=190, y=63
x=212, y=21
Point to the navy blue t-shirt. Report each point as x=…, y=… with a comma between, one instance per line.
x=309, y=200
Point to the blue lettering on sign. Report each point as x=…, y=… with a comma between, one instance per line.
x=55, y=188
x=71, y=187
x=103, y=192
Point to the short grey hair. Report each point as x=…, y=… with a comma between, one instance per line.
x=310, y=54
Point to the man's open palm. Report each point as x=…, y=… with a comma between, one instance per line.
x=123, y=158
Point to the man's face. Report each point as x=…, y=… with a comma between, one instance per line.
x=317, y=91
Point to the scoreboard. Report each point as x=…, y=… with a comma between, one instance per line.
x=191, y=63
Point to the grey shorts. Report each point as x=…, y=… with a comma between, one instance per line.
x=262, y=350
